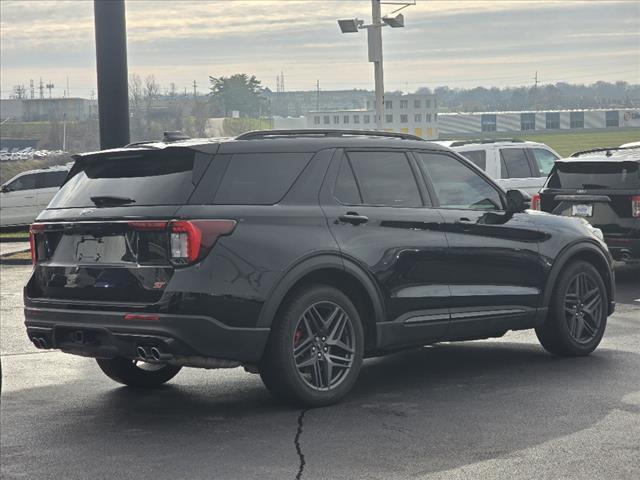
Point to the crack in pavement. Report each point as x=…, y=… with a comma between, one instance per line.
x=296, y=441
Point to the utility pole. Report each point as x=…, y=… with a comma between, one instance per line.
x=111, y=66
x=317, y=94
x=374, y=33
x=195, y=89
x=31, y=89
x=535, y=90
x=41, y=88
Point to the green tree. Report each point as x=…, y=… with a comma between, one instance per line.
x=239, y=92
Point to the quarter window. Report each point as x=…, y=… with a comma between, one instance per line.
x=260, y=178
x=514, y=163
x=346, y=188
x=458, y=186
x=385, y=179
x=477, y=157
x=544, y=159
x=25, y=182
x=52, y=179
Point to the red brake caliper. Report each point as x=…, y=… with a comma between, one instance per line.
x=297, y=337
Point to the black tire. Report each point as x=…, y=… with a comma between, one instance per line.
x=576, y=321
x=127, y=372
x=327, y=362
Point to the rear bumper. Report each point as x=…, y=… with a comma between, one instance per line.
x=107, y=335
x=624, y=249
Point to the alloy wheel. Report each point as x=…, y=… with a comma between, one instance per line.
x=324, y=345
x=583, y=307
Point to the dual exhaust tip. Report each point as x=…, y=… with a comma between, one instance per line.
x=147, y=353
x=40, y=342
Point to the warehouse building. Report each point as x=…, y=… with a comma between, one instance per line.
x=452, y=124
x=414, y=114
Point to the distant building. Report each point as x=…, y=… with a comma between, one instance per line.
x=48, y=109
x=413, y=113
x=481, y=123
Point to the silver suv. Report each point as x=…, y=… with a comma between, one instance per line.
x=514, y=164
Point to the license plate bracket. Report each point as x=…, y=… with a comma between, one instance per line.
x=90, y=249
x=582, y=210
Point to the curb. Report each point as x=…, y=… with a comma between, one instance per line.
x=13, y=239
x=7, y=260
x=14, y=261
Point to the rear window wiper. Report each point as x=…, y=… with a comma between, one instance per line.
x=109, y=200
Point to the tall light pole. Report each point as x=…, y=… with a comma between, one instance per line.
x=374, y=43
x=375, y=55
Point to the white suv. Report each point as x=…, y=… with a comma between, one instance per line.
x=514, y=164
x=24, y=196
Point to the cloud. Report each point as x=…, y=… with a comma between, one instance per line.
x=460, y=41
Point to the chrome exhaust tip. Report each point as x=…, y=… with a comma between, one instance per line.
x=142, y=352
x=155, y=353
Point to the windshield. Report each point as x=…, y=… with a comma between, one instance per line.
x=595, y=175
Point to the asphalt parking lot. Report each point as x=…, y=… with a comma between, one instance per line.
x=500, y=408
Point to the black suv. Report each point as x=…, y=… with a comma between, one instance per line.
x=603, y=187
x=298, y=253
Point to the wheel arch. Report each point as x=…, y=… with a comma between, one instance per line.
x=590, y=253
x=333, y=270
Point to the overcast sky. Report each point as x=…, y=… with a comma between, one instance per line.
x=454, y=43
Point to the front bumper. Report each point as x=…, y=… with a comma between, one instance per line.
x=105, y=334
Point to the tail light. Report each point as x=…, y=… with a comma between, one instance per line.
x=189, y=240
x=34, y=229
x=635, y=206
x=535, y=202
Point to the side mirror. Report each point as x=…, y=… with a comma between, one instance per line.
x=518, y=201
x=4, y=189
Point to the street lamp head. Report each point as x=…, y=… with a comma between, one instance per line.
x=394, y=22
x=349, y=25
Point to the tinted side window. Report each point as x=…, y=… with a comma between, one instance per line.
x=25, y=182
x=346, y=189
x=458, y=186
x=514, y=163
x=52, y=179
x=478, y=157
x=385, y=178
x=545, y=160
x=260, y=178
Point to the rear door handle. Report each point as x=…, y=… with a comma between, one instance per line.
x=353, y=218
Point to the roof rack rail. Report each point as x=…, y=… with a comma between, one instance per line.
x=601, y=149
x=460, y=143
x=313, y=132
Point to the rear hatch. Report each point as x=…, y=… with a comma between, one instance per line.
x=106, y=236
x=605, y=193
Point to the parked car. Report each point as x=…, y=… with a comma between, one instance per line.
x=603, y=187
x=297, y=254
x=24, y=196
x=514, y=164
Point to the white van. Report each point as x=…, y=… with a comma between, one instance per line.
x=24, y=196
x=514, y=164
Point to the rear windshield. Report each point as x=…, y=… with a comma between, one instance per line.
x=153, y=178
x=595, y=175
